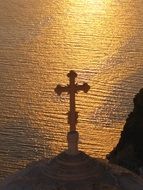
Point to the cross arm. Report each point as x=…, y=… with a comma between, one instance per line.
x=84, y=87
x=59, y=89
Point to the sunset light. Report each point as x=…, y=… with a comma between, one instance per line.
x=71, y=90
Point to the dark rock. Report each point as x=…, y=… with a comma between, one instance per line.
x=129, y=150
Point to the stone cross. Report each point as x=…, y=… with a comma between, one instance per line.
x=72, y=89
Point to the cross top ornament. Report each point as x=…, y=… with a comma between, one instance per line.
x=72, y=89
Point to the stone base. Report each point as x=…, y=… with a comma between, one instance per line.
x=72, y=138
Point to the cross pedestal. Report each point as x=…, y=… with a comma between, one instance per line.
x=72, y=138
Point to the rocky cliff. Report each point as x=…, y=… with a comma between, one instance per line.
x=129, y=150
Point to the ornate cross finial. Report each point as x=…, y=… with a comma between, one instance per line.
x=72, y=89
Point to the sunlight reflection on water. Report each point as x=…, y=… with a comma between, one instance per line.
x=40, y=42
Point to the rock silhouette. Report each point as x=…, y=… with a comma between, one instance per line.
x=129, y=150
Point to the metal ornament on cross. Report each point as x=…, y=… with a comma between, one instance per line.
x=72, y=89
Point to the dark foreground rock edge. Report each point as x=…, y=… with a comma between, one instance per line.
x=129, y=151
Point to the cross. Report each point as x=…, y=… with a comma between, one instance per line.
x=72, y=89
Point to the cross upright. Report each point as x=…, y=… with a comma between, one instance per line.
x=72, y=89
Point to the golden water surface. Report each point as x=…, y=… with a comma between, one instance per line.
x=40, y=41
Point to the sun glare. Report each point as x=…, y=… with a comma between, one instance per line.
x=93, y=5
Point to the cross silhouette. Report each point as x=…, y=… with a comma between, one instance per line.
x=72, y=89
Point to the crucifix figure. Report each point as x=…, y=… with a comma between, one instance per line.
x=72, y=89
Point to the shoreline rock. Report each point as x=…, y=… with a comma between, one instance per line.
x=129, y=151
